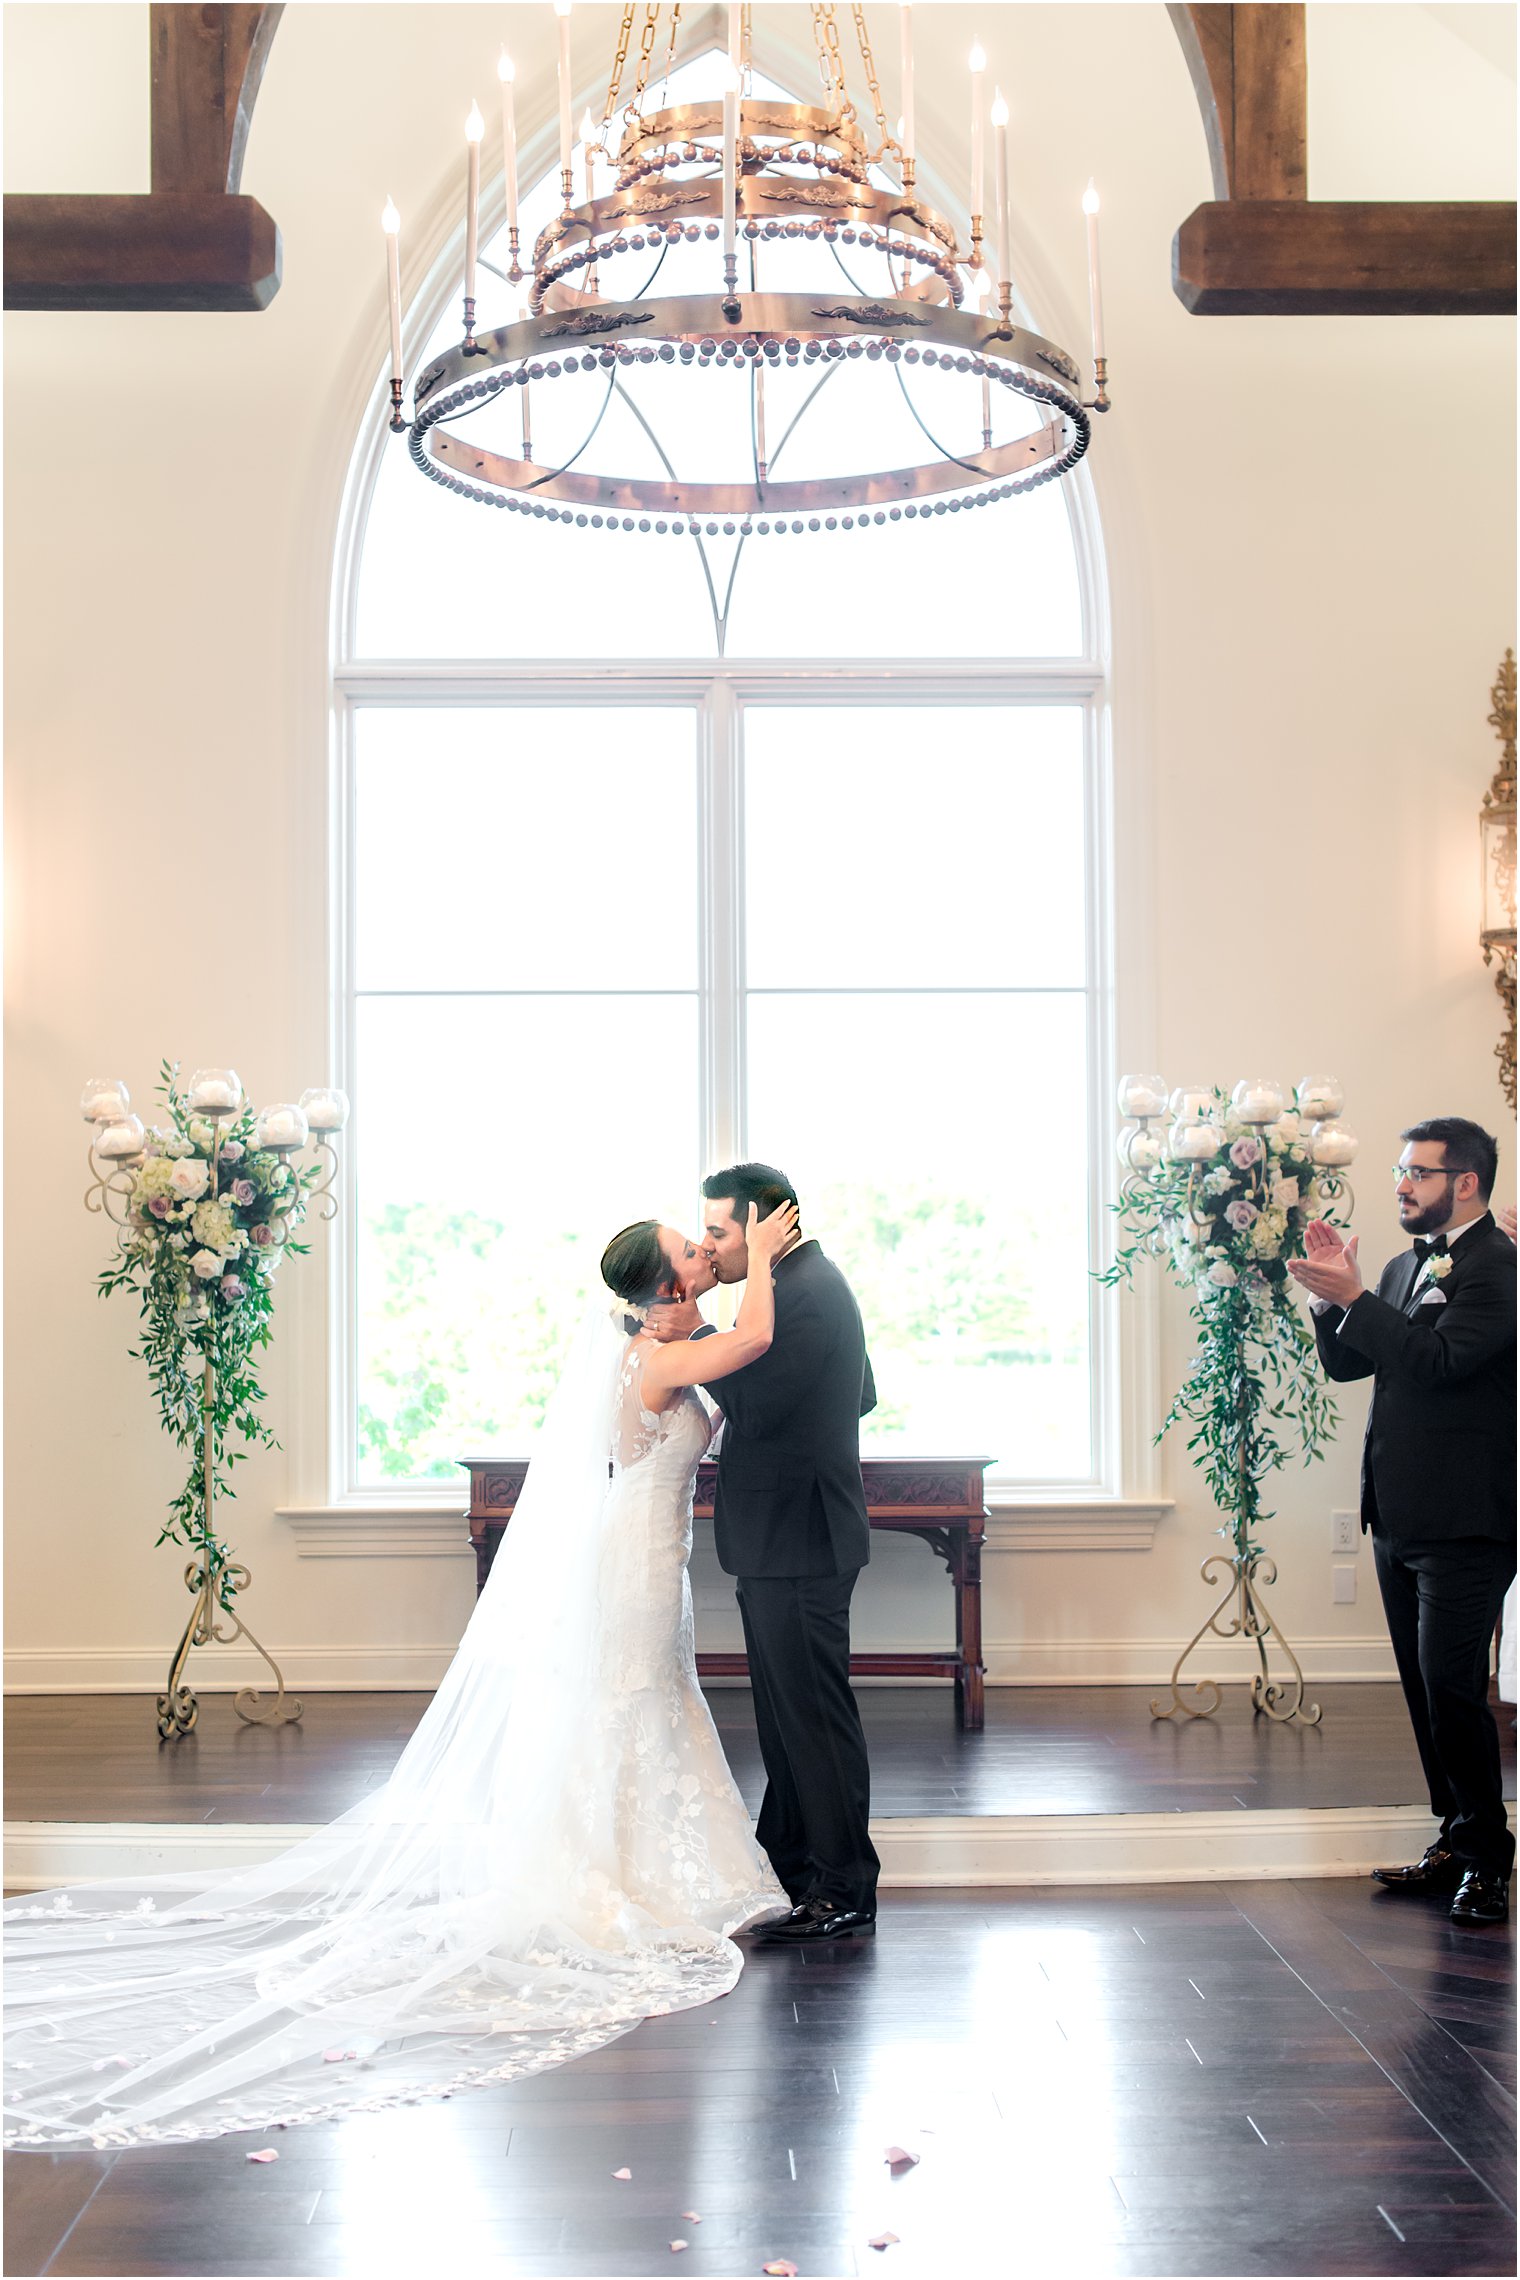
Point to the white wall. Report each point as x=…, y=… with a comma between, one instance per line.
x=1310, y=537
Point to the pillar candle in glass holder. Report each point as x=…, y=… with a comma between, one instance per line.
x=105, y=1100
x=1319, y=1097
x=1256, y=1100
x=1140, y=1149
x=1332, y=1144
x=1142, y=1096
x=1193, y=1143
x=1192, y=1104
x=325, y=1108
x=211, y=1089
x=120, y=1140
x=283, y=1126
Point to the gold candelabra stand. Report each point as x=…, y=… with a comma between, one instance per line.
x=1196, y=1138
x=114, y=1158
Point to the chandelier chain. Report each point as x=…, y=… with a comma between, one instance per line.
x=830, y=59
x=888, y=139
x=646, y=55
x=625, y=34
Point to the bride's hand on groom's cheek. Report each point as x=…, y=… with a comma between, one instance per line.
x=671, y=1319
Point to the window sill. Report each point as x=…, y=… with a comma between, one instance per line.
x=439, y=1530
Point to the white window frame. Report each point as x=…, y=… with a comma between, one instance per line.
x=718, y=693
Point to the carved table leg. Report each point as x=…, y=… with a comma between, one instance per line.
x=970, y=1711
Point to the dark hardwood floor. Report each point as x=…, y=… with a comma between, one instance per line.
x=1271, y=2078
x=1055, y=1749
x=1245, y=2079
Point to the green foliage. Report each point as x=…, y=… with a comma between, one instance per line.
x=1253, y=1394
x=189, y=1321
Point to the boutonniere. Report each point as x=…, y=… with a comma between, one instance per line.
x=1438, y=1269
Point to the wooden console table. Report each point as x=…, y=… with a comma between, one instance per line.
x=942, y=1500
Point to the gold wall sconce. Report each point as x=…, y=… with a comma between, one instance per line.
x=1496, y=826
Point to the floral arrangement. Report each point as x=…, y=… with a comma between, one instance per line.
x=209, y=1217
x=1228, y=1216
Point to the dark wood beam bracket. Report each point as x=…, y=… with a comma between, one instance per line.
x=1318, y=258
x=193, y=242
x=1263, y=247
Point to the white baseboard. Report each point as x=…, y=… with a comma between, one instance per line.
x=335, y=1669
x=991, y=1849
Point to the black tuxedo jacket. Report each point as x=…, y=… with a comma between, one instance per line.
x=1438, y=1461
x=790, y=1499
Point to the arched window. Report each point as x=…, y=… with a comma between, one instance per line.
x=661, y=855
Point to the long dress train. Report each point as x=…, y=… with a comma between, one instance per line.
x=560, y=1852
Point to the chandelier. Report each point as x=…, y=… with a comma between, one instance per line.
x=732, y=259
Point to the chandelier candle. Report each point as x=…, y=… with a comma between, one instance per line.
x=905, y=14
x=474, y=130
x=731, y=168
x=1004, y=213
x=562, y=11
x=506, y=72
x=1094, y=285
x=978, y=149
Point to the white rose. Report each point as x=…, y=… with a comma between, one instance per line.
x=179, y=1148
x=207, y=1264
x=1222, y=1273
x=1284, y=1193
x=189, y=1178
x=1286, y=1129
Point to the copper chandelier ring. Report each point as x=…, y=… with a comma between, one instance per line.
x=759, y=329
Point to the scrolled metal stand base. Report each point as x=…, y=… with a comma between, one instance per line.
x=211, y=1625
x=1279, y=1699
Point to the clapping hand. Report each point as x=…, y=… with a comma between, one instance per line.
x=1328, y=1268
x=1507, y=1221
x=766, y=1239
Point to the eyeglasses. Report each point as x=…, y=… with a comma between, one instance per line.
x=1418, y=1174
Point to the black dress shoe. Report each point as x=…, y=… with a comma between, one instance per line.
x=1436, y=1870
x=822, y=1920
x=1481, y=1899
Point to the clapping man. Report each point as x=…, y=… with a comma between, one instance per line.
x=1438, y=1479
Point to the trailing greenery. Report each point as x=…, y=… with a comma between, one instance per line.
x=1254, y=1394
x=201, y=1244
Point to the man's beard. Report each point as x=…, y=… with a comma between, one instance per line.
x=1431, y=1219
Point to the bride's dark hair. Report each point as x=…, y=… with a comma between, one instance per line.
x=633, y=1265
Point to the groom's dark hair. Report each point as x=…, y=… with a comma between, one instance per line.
x=758, y=1184
x=1465, y=1147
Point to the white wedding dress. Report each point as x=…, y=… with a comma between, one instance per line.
x=560, y=1852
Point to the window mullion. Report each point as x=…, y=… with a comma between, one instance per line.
x=720, y=950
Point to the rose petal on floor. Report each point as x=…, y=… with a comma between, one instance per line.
x=676, y=2246
x=898, y=2157
x=883, y=2240
x=268, y=2154
x=333, y=2057
x=781, y=2267
x=690, y=2217
x=622, y=2175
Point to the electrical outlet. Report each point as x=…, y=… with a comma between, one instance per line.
x=1343, y=1586
x=1343, y=1531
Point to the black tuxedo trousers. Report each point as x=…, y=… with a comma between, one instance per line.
x=790, y=1526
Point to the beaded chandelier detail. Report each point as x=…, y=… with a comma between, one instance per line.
x=759, y=250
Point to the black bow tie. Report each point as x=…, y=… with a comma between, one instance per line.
x=1432, y=1248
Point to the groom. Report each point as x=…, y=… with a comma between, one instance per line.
x=790, y=1524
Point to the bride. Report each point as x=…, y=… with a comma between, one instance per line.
x=560, y=1852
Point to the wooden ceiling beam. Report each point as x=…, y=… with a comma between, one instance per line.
x=193, y=242
x=1263, y=248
